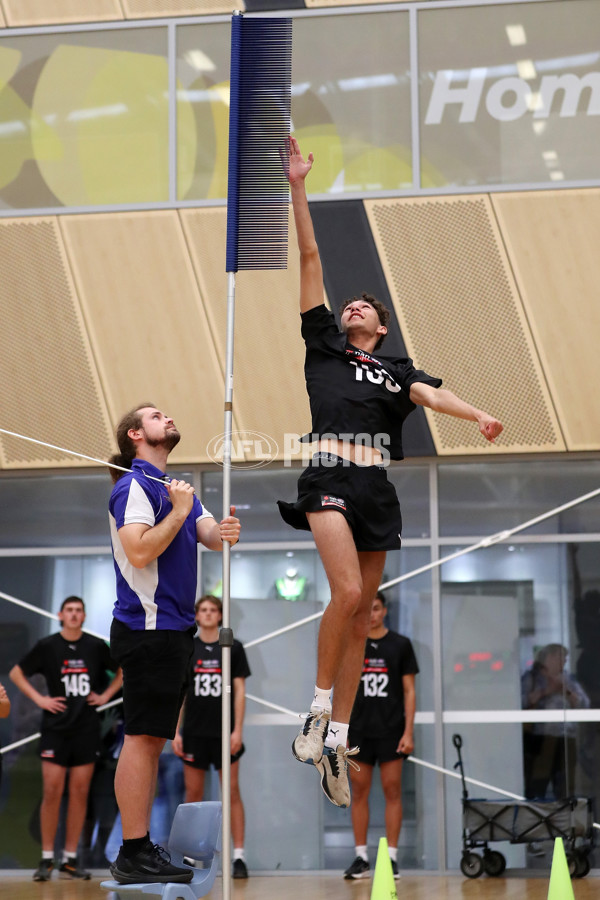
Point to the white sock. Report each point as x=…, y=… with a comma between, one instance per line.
x=337, y=734
x=47, y=854
x=67, y=856
x=393, y=851
x=322, y=698
x=238, y=853
x=362, y=852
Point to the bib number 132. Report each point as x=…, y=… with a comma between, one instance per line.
x=375, y=684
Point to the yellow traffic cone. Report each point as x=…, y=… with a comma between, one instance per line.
x=560, y=880
x=384, y=886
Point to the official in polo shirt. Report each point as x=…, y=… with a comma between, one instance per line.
x=156, y=524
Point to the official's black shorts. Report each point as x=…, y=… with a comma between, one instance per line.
x=155, y=673
x=201, y=753
x=362, y=494
x=375, y=750
x=71, y=748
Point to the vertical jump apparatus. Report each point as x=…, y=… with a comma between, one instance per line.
x=257, y=238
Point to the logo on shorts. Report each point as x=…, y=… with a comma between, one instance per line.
x=47, y=754
x=188, y=757
x=328, y=500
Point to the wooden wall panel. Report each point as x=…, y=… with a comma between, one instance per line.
x=55, y=12
x=50, y=386
x=462, y=319
x=148, y=327
x=269, y=391
x=552, y=239
x=146, y=9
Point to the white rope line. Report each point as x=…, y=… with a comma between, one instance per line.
x=414, y=759
x=102, y=462
x=281, y=709
x=32, y=737
x=272, y=634
x=43, y=612
x=492, y=539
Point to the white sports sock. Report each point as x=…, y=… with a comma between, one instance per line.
x=337, y=734
x=362, y=852
x=393, y=851
x=322, y=698
x=47, y=854
x=238, y=853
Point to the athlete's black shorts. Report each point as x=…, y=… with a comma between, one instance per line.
x=155, y=673
x=201, y=753
x=362, y=494
x=375, y=750
x=71, y=748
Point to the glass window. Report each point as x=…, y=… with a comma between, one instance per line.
x=486, y=498
x=84, y=118
x=255, y=495
x=498, y=604
x=356, y=121
x=412, y=487
x=517, y=102
x=54, y=510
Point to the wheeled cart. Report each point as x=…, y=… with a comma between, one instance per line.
x=521, y=822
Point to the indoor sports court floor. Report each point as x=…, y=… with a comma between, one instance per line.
x=325, y=886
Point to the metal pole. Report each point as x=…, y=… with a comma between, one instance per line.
x=226, y=634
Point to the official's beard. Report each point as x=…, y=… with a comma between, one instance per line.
x=170, y=440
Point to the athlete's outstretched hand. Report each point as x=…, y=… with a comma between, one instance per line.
x=298, y=167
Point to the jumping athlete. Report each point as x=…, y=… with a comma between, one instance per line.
x=156, y=524
x=358, y=403
x=75, y=666
x=198, y=739
x=382, y=725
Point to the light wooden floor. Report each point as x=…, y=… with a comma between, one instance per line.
x=324, y=886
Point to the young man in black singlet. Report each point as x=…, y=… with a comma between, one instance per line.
x=358, y=402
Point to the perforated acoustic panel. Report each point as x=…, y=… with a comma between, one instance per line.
x=148, y=327
x=269, y=391
x=51, y=12
x=145, y=9
x=552, y=238
x=462, y=319
x=50, y=389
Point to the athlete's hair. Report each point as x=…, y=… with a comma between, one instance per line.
x=131, y=420
x=381, y=597
x=214, y=600
x=72, y=599
x=381, y=310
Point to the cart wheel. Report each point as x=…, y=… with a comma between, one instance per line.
x=471, y=865
x=572, y=863
x=494, y=863
x=582, y=865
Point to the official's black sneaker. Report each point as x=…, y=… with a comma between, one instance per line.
x=239, y=869
x=69, y=869
x=151, y=864
x=44, y=870
x=360, y=868
x=395, y=871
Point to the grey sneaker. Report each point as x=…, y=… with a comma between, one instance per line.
x=44, y=870
x=360, y=868
x=308, y=745
x=333, y=768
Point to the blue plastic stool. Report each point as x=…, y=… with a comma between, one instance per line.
x=195, y=832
